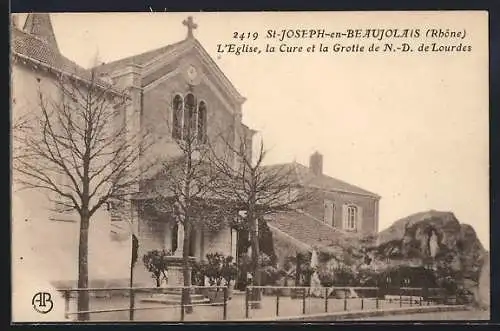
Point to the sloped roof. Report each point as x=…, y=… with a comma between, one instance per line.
x=38, y=43
x=304, y=176
x=39, y=25
x=148, y=56
x=139, y=59
x=310, y=231
x=32, y=47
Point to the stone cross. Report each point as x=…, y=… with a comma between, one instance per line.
x=191, y=25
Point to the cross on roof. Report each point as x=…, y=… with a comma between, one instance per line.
x=191, y=25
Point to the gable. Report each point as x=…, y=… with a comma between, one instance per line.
x=179, y=58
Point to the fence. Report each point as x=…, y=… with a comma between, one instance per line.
x=124, y=303
x=377, y=297
x=131, y=293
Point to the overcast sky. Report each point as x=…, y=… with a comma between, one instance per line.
x=412, y=128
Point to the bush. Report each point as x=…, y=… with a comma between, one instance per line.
x=229, y=269
x=156, y=263
x=213, y=269
x=218, y=268
x=269, y=272
x=342, y=276
x=303, y=260
x=198, y=272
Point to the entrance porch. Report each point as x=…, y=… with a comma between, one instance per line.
x=157, y=231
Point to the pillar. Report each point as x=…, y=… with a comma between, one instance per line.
x=234, y=241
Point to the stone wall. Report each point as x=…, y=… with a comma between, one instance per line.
x=157, y=114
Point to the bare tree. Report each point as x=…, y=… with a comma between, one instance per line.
x=81, y=148
x=19, y=127
x=255, y=190
x=182, y=188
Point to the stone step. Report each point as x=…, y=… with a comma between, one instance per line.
x=178, y=295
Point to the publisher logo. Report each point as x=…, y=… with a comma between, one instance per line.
x=42, y=302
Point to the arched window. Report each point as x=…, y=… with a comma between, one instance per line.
x=202, y=122
x=189, y=117
x=177, y=106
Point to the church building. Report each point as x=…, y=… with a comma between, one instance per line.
x=168, y=85
x=169, y=88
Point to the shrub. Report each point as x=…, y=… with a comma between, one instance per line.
x=269, y=271
x=213, y=268
x=228, y=270
x=198, y=273
x=156, y=263
x=218, y=268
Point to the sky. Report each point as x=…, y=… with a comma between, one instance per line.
x=412, y=128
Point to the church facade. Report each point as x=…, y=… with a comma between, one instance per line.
x=173, y=87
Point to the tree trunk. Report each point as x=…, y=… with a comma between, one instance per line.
x=256, y=275
x=83, y=271
x=186, y=275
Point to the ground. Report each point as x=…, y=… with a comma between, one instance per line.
x=235, y=309
x=468, y=315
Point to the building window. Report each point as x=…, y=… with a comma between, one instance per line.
x=189, y=118
x=177, y=117
x=329, y=214
x=351, y=218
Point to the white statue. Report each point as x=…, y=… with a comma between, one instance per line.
x=433, y=244
x=315, y=282
x=180, y=239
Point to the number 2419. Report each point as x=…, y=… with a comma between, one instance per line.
x=245, y=35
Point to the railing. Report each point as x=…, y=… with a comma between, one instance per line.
x=131, y=293
x=405, y=296
x=124, y=303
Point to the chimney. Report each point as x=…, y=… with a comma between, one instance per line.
x=316, y=163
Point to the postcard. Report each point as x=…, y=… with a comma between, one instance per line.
x=250, y=166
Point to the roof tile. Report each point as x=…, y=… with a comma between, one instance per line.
x=40, y=50
x=310, y=231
